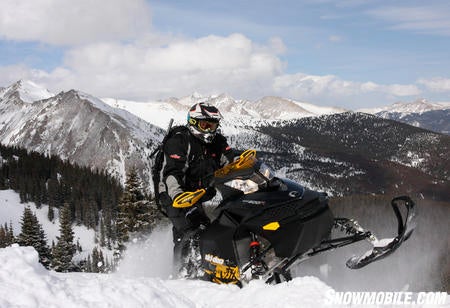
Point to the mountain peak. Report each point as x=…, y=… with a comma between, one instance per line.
x=27, y=91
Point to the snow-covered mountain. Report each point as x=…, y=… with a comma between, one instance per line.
x=265, y=110
x=117, y=135
x=322, y=148
x=418, y=106
x=26, y=91
x=77, y=127
x=434, y=116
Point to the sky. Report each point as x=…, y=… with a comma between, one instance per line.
x=347, y=53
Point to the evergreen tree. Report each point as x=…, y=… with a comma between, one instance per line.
x=102, y=233
x=65, y=249
x=27, y=236
x=32, y=234
x=10, y=235
x=51, y=213
x=95, y=260
x=6, y=235
x=135, y=212
x=3, y=240
x=88, y=264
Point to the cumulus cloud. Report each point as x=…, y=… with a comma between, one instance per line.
x=110, y=50
x=66, y=22
x=437, y=84
x=209, y=65
x=302, y=85
x=141, y=70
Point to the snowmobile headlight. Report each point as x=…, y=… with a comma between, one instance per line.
x=246, y=186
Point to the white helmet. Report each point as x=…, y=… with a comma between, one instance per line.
x=203, y=120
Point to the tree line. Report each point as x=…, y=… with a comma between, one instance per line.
x=49, y=180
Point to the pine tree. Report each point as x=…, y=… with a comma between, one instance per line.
x=88, y=265
x=65, y=249
x=102, y=233
x=3, y=240
x=10, y=235
x=95, y=260
x=27, y=236
x=51, y=213
x=135, y=213
x=32, y=234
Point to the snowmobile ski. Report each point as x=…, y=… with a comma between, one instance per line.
x=384, y=247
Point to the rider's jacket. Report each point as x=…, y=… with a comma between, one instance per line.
x=189, y=163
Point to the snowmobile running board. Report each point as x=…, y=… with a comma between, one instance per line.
x=381, y=248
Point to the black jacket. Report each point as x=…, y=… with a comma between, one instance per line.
x=189, y=163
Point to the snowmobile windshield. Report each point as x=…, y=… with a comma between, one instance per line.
x=260, y=177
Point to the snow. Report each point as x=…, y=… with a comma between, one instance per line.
x=26, y=283
x=30, y=92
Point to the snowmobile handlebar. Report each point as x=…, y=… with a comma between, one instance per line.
x=188, y=198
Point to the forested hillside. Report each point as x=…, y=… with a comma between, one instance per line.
x=49, y=180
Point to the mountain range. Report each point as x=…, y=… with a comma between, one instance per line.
x=76, y=127
x=420, y=113
x=332, y=149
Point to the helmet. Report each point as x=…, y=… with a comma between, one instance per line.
x=203, y=121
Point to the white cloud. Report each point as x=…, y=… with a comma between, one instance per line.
x=234, y=64
x=302, y=85
x=437, y=84
x=67, y=22
x=143, y=70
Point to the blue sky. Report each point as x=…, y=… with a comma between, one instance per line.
x=348, y=53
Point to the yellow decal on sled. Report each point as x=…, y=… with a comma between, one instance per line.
x=188, y=198
x=226, y=274
x=272, y=226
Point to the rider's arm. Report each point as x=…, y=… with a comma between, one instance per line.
x=227, y=153
x=176, y=152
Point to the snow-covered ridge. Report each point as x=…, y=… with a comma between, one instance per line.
x=418, y=106
x=267, y=109
x=28, y=91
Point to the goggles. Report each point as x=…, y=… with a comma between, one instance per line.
x=207, y=126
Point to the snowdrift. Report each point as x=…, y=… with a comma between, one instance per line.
x=24, y=282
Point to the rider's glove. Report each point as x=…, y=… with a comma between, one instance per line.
x=210, y=193
x=195, y=217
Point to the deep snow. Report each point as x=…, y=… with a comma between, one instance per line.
x=25, y=283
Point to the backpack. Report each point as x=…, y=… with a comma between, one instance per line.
x=157, y=158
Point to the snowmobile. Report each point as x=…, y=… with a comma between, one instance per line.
x=262, y=225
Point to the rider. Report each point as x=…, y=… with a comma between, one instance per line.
x=190, y=158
